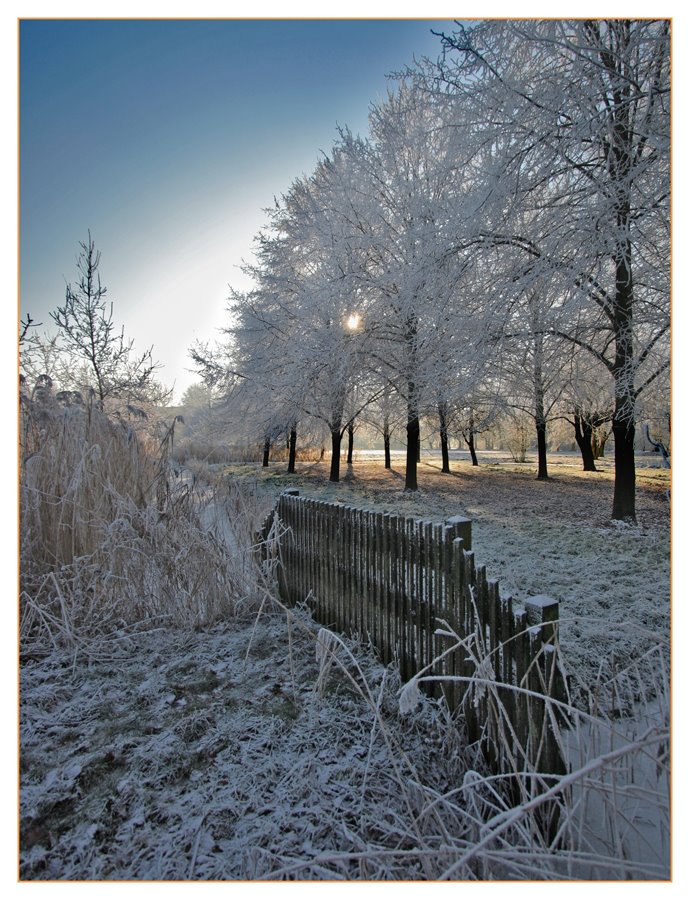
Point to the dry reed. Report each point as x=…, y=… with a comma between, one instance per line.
x=112, y=536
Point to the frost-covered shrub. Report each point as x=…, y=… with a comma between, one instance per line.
x=190, y=449
x=518, y=436
x=111, y=537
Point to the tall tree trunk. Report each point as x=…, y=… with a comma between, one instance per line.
x=583, y=436
x=336, y=426
x=624, y=457
x=293, y=450
x=443, y=431
x=350, y=442
x=542, y=470
x=412, y=428
x=336, y=438
x=623, y=425
x=267, y=451
x=620, y=158
x=539, y=415
x=386, y=443
x=473, y=452
x=412, y=449
x=470, y=443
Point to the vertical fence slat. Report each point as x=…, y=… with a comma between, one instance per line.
x=341, y=599
x=359, y=577
x=542, y=615
x=508, y=656
x=340, y=605
x=347, y=567
x=315, y=549
x=457, y=592
x=521, y=651
x=437, y=643
x=350, y=572
x=313, y=546
x=428, y=593
x=394, y=598
x=349, y=542
x=396, y=577
x=364, y=569
x=418, y=587
x=329, y=564
x=385, y=608
x=320, y=561
x=411, y=625
x=367, y=587
x=445, y=612
x=357, y=599
x=373, y=570
x=403, y=646
x=301, y=581
x=378, y=620
x=389, y=606
x=379, y=616
x=470, y=593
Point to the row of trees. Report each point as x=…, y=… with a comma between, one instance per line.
x=500, y=237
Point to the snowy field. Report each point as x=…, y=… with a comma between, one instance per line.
x=235, y=752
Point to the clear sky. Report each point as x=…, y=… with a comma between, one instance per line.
x=167, y=139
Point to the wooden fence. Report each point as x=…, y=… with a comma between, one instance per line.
x=413, y=589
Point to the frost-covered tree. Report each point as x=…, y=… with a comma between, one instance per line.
x=297, y=339
x=586, y=403
x=509, y=208
x=408, y=191
x=532, y=365
x=576, y=116
x=386, y=415
x=90, y=340
x=306, y=269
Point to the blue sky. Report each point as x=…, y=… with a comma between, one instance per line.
x=167, y=139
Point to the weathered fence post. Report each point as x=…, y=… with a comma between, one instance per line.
x=462, y=528
x=545, y=678
x=436, y=604
x=286, y=570
x=543, y=611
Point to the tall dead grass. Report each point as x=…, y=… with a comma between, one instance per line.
x=112, y=537
x=605, y=815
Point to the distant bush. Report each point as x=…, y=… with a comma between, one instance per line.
x=244, y=453
x=194, y=448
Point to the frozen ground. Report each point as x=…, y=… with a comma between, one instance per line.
x=231, y=753
x=228, y=754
